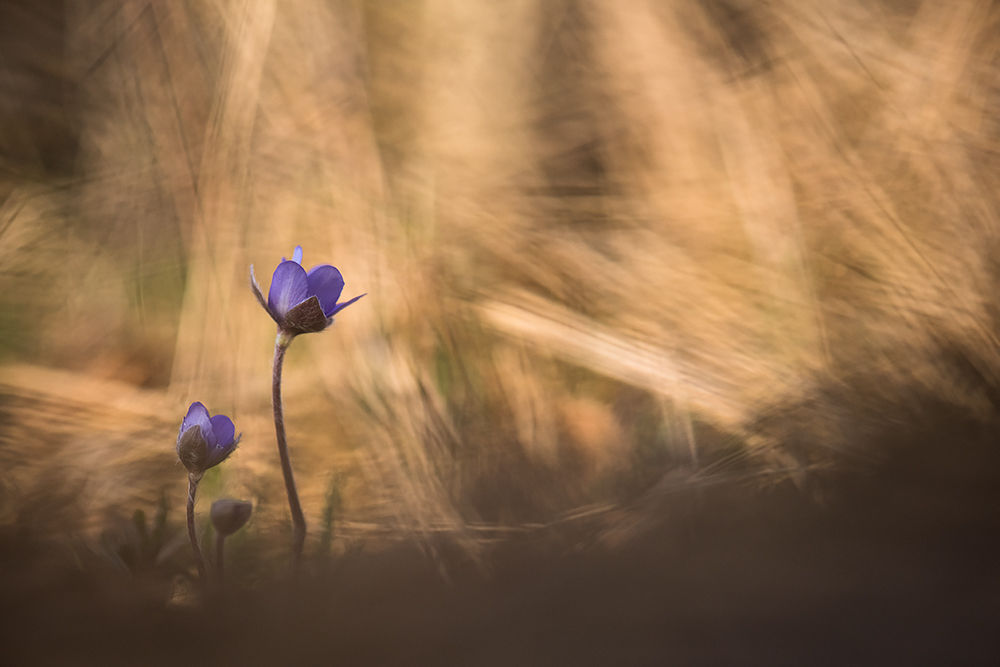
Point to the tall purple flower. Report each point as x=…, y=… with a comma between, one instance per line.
x=302, y=301
x=204, y=441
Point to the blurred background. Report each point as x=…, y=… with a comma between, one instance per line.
x=611, y=249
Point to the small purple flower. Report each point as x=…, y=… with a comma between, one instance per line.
x=203, y=441
x=302, y=301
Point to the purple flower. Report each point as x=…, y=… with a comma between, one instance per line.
x=204, y=441
x=302, y=301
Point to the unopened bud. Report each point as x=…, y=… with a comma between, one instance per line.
x=229, y=515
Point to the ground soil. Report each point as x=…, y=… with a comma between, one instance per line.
x=897, y=565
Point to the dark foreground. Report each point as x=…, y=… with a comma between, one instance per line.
x=900, y=565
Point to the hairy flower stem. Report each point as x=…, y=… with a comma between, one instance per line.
x=298, y=519
x=193, y=481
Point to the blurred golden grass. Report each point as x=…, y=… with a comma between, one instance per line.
x=603, y=242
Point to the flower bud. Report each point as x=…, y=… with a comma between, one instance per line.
x=229, y=515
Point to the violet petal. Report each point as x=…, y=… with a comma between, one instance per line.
x=197, y=415
x=341, y=306
x=297, y=255
x=326, y=284
x=224, y=429
x=220, y=454
x=289, y=287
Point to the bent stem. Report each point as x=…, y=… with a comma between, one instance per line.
x=281, y=344
x=193, y=481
